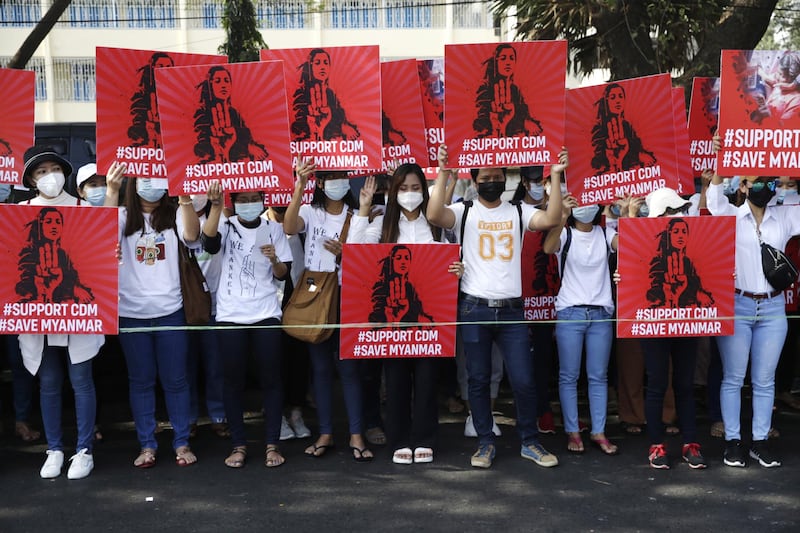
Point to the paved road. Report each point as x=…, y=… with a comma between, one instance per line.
x=590, y=492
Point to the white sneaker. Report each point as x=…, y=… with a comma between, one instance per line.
x=469, y=427
x=286, y=431
x=52, y=465
x=81, y=465
x=301, y=431
x=496, y=429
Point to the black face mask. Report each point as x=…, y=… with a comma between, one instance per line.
x=760, y=198
x=491, y=190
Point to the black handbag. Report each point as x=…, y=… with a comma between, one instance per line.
x=778, y=269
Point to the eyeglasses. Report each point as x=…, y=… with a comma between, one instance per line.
x=758, y=186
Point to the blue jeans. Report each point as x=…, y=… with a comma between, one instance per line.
x=658, y=352
x=265, y=345
x=587, y=326
x=22, y=380
x=480, y=326
x=323, y=360
x=759, y=335
x=204, y=345
x=157, y=353
x=51, y=381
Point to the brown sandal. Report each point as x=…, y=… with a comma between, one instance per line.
x=220, y=429
x=275, y=459
x=146, y=458
x=184, y=456
x=237, y=457
x=24, y=431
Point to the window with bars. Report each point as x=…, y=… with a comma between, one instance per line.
x=121, y=14
x=343, y=14
x=36, y=64
x=290, y=15
x=20, y=13
x=74, y=79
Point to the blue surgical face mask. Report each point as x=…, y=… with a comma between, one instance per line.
x=585, y=213
x=5, y=191
x=536, y=191
x=644, y=211
x=95, y=195
x=147, y=192
x=249, y=211
x=336, y=189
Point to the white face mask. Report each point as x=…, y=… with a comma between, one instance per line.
x=536, y=191
x=336, y=189
x=199, y=201
x=51, y=184
x=563, y=187
x=249, y=211
x=585, y=213
x=409, y=200
x=145, y=190
x=95, y=195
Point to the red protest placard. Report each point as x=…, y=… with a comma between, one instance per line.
x=391, y=284
x=403, y=120
x=214, y=128
x=17, y=91
x=56, y=279
x=682, y=157
x=621, y=139
x=505, y=103
x=128, y=121
x=334, y=104
x=673, y=284
x=759, y=121
x=431, y=85
x=540, y=278
x=703, y=114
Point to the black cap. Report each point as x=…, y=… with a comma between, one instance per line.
x=35, y=155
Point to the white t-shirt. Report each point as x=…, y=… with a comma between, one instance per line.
x=586, y=279
x=149, y=277
x=492, y=248
x=319, y=227
x=416, y=231
x=210, y=265
x=64, y=198
x=246, y=293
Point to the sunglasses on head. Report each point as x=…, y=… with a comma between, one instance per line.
x=758, y=186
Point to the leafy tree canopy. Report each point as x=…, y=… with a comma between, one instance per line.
x=243, y=39
x=635, y=38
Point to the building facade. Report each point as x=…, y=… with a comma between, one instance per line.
x=65, y=62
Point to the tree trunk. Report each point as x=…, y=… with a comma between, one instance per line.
x=739, y=29
x=38, y=34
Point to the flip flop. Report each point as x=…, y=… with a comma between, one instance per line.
x=312, y=450
x=358, y=455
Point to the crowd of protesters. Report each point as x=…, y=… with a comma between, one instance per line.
x=252, y=256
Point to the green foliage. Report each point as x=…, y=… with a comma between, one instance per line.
x=783, y=32
x=243, y=40
x=640, y=37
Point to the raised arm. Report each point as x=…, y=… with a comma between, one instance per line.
x=550, y=217
x=292, y=223
x=437, y=212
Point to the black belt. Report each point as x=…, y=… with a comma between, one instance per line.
x=757, y=295
x=513, y=303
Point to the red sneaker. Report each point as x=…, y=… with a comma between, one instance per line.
x=546, y=424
